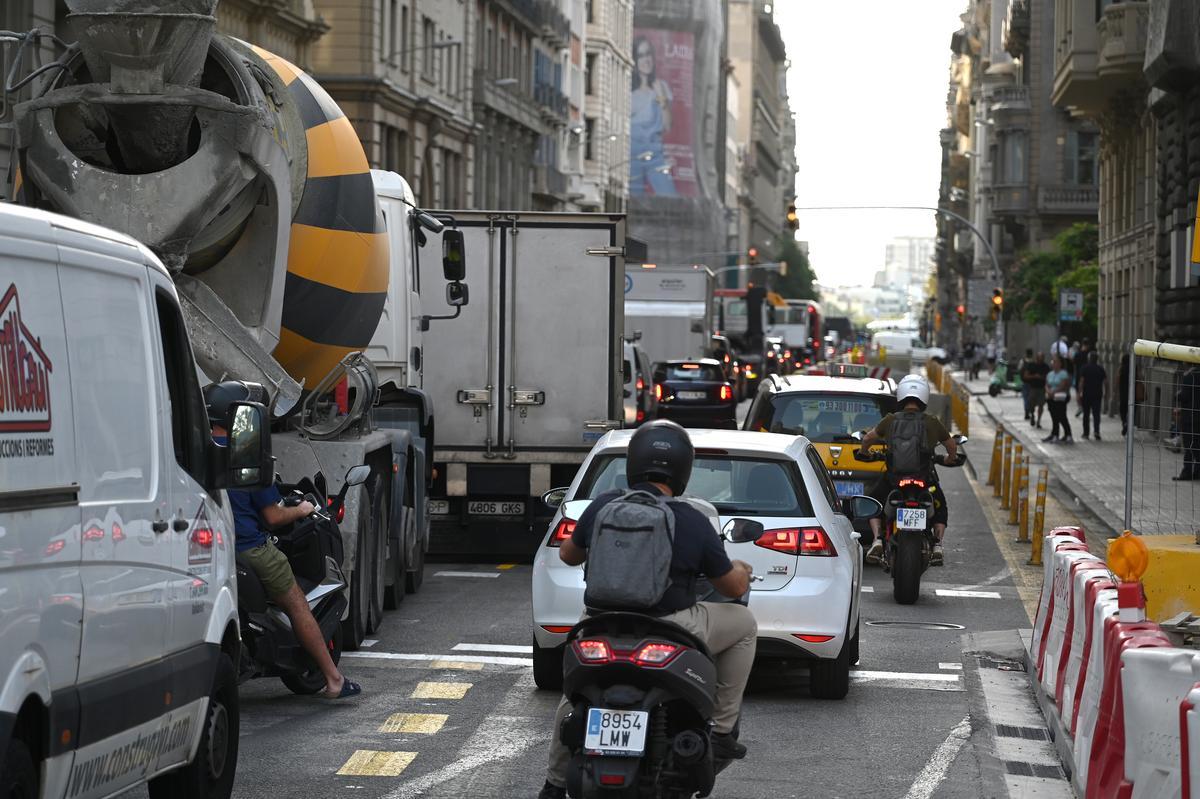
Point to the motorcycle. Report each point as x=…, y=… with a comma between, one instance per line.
x=908, y=532
x=1002, y=380
x=314, y=549
x=643, y=692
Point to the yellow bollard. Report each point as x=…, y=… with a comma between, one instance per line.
x=1023, y=500
x=994, y=469
x=1039, y=519
x=1006, y=474
x=1014, y=488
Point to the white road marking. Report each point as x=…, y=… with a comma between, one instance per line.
x=493, y=660
x=467, y=574
x=950, y=666
x=519, y=650
x=935, y=770
x=968, y=594
x=995, y=578
x=369, y=642
x=867, y=589
x=870, y=676
x=502, y=736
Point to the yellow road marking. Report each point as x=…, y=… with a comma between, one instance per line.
x=441, y=690
x=426, y=723
x=506, y=566
x=369, y=763
x=454, y=664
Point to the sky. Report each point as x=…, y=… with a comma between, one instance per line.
x=867, y=84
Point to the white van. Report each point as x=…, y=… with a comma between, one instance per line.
x=118, y=606
x=906, y=342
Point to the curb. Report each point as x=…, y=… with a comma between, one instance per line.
x=1109, y=521
x=1064, y=744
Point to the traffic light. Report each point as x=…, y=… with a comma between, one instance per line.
x=752, y=255
x=997, y=303
x=961, y=310
x=793, y=221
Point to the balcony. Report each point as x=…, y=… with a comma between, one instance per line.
x=506, y=101
x=1171, y=57
x=1069, y=200
x=1010, y=199
x=544, y=18
x=1123, y=32
x=1076, y=53
x=1016, y=28
x=1010, y=104
x=554, y=105
x=548, y=182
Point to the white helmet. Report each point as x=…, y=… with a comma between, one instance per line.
x=913, y=387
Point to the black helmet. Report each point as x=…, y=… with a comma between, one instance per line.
x=219, y=397
x=660, y=452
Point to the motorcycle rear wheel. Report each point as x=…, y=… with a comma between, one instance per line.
x=906, y=571
x=309, y=682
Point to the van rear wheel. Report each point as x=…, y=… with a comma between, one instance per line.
x=210, y=774
x=19, y=777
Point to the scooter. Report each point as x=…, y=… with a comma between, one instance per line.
x=643, y=692
x=1001, y=380
x=314, y=550
x=908, y=532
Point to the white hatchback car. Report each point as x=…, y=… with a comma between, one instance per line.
x=809, y=555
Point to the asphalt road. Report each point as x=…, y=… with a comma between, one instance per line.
x=475, y=726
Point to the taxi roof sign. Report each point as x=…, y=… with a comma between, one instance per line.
x=855, y=370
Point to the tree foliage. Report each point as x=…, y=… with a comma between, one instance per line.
x=1071, y=263
x=799, y=280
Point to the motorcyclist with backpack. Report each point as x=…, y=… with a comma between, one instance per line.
x=911, y=436
x=658, y=465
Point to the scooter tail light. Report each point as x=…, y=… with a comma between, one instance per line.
x=656, y=654
x=593, y=650
x=562, y=531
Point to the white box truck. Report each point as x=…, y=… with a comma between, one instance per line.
x=528, y=376
x=672, y=306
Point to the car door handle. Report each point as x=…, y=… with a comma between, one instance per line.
x=158, y=526
x=180, y=525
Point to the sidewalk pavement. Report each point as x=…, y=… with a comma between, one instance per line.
x=1094, y=471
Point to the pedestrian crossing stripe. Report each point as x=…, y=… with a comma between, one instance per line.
x=424, y=723
x=441, y=690
x=370, y=763
x=455, y=664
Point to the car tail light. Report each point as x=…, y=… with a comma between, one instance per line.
x=641, y=384
x=641, y=415
x=612, y=779
x=812, y=639
x=341, y=514
x=658, y=391
x=562, y=531
x=656, y=654
x=592, y=650
x=737, y=370
x=557, y=628
x=770, y=353
x=798, y=541
x=726, y=393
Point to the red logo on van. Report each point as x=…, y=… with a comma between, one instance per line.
x=24, y=373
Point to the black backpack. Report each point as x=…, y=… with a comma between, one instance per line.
x=908, y=451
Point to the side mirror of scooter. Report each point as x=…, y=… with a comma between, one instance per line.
x=743, y=531
x=860, y=508
x=357, y=475
x=961, y=439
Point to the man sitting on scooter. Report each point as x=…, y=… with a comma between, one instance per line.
x=256, y=512
x=659, y=460
x=912, y=398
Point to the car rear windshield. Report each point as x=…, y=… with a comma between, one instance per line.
x=822, y=417
x=688, y=371
x=735, y=485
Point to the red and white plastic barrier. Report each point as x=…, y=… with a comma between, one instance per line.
x=1097, y=601
x=1155, y=682
x=1189, y=738
x=1087, y=702
x=1050, y=544
x=1066, y=558
x=1088, y=577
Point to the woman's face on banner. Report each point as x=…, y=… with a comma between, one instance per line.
x=645, y=58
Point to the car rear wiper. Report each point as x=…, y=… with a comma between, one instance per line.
x=725, y=507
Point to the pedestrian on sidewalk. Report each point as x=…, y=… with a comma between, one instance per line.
x=1091, y=391
x=991, y=356
x=1034, y=376
x=1060, y=348
x=1025, y=363
x=1079, y=360
x=1058, y=390
x=1188, y=400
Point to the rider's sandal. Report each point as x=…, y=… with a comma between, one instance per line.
x=349, y=689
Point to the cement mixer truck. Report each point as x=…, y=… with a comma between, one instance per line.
x=249, y=183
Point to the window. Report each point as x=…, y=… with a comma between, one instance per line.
x=741, y=486
x=589, y=147
x=591, y=12
x=824, y=418
x=395, y=150
x=402, y=45
x=1012, y=157
x=688, y=371
x=386, y=9
x=589, y=71
x=1082, y=163
x=188, y=428
x=428, y=37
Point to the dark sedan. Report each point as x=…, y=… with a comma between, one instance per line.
x=695, y=393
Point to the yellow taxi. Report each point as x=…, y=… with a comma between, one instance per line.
x=827, y=409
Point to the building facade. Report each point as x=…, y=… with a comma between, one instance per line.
x=604, y=134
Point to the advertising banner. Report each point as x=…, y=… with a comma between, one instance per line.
x=662, y=159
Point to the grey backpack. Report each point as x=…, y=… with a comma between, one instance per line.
x=629, y=555
x=908, y=453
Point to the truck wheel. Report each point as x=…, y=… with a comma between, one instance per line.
x=416, y=572
x=381, y=525
x=210, y=775
x=393, y=594
x=19, y=776
x=354, y=628
x=548, y=667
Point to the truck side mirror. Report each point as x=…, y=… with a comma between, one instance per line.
x=250, y=462
x=456, y=294
x=454, y=256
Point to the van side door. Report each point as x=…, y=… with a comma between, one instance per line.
x=126, y=559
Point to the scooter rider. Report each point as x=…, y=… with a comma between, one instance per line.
x=659, y=460
x=255, y=512
x=912, y=398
